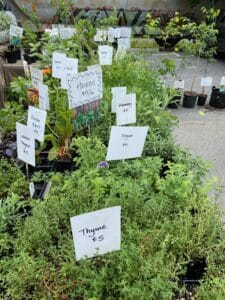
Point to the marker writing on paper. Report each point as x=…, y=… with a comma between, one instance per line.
x=126, y=137
x=91, y=233
x=25, y=147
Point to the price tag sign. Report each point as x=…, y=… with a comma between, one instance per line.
x=43, y=97
x=123, y=43
x=178, y=84
x=126, y=142
x=66, y=32
x=15, y=31
x=117, y=93
x=105, y=55
x=125, y=32
x=126, y=110
x=117, y=32
x=85, y=87
x=36, y=122
x=57, y=64
x=222, y=82
x=25, y=144
x=36, y=77
x=70, y=68
x=206, y=81
x=111, y=34
x=96, y=233
x=52, y=32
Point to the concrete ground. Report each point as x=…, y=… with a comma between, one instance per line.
x=204, y=134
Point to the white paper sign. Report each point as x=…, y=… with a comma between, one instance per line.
x=125, y=32
x=43, y=97
x=36, y=122
x=70, y=68
x=126, y=142
x=123, y=43
x=111, y=34
x=117, y=92
x=25, y=144
x=101, y=35
x=16, y=31
x=222, y=82
x=117, y=32
x=57, y=64
x=26, y=68
x=206, y=81
x=105, y=55
x=66, y=32
x=178, y=84
x=85, y=87
x=53, y=31
x=97, y=232
x=126, y=110
x=36, y=77
x=31, y=189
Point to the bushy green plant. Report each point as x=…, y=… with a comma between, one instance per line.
x=5, y=21
x=167, y=221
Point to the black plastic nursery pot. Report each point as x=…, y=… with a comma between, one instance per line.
x=11, y=57
x=202, y=99
x=27, y=56
x=189, y=99
x=175, y=102
x=217, y=98
x=18, y=53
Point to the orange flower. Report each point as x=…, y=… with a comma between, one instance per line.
x=46, y=71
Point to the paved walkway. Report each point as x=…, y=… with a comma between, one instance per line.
x=203, y=135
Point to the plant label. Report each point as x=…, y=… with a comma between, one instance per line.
x=15, y=31
x=206, y=81
x=31, y=189
x=117, y=32
x=126, y=142
x=125, y=32
x=97, y=232
x=57, y=64
x=66, y=32
x=43, y=97
x=70, y=68
x=178, y=84
x=101, y=35
x=111, y=34
x=52, y=32
x=36, y=77
x=85, y=87
x=117, y=92
x=105, y=55
x=123, y=43
x=25, y=144
x=36, y=122
x=222, y=82
x=26, y=68
x=126, y=110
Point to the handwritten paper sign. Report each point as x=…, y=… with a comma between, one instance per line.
x=206, y=81
x=117, y=32
x=111, y=34
x=178, y=84
x=36, y=122
x=70, y=68
x=117, y=92
x=57, y=64
x=52, y=32
x=25, y=144
x=66, y=32
x=43, y=97
x=85, y=87
x=124, y=43
x=126, y=110
x=105, y=55
x=97, y=232
x=101, y=35
x=222, y=82
x=36, y=77
x=126, y=142
x=15, y=31
x=125, y=32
